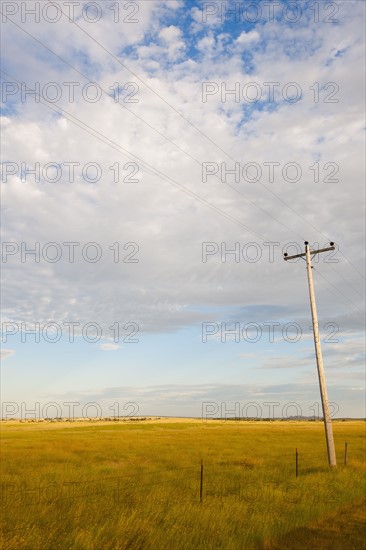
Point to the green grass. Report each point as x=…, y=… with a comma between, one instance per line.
x=94, y=486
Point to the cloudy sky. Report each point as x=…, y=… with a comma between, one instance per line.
x=158, y=157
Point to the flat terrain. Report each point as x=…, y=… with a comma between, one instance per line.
x=136, y=485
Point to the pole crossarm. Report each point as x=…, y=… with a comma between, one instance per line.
x=312, y=252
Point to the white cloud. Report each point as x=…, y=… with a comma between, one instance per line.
x=213, y=400
x=248, y=37
x=171, y=37
x=171, y=286
x=108, y=346
x=170, y=34
x=5, y=353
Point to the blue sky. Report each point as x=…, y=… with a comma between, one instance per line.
x=177, y=67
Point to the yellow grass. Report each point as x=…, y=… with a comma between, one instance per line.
x=135, y=484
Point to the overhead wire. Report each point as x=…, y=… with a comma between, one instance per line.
x=347, y=282
x=176, y=145
x=146, y=165
x=197, y=128
x=123, y=106
x=340, y=293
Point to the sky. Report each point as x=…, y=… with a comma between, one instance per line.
x=158, y=158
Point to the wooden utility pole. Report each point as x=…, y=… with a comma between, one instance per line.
x=319, y=359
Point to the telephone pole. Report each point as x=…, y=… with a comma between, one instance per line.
x=307, y=255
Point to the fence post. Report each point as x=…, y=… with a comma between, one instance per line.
x=297, y=462
x=201, y=481
x=345, y=453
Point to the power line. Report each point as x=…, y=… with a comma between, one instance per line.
x=156, y=130
x=195, y=127
x=352, y=265
x=148, y=166
x=357, y=310
x=175, y=144
x=351, y=312
x=346, y=281
x=175, y=110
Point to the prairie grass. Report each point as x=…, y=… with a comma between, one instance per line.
x=132, y=485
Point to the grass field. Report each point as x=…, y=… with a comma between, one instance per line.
x=136, y=485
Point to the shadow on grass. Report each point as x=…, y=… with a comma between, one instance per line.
x=343, y=530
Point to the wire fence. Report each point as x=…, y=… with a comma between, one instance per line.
x=194, y=481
